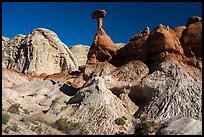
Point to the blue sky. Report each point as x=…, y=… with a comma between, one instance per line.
x=72, y=22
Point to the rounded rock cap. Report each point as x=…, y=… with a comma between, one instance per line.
x=98, y=14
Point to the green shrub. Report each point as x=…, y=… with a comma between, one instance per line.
x=7, y=129
x=5, y=118
x=37, y=129
x=120, y=121
x=26, y=111
x=35, y=121
x=69, y=127
x=14, y=108
x=14, y=127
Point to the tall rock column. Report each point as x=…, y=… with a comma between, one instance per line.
x=102, y=48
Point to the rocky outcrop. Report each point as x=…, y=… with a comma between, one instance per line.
x=193, y=19
x=135, y=50
x=80, y=53
x=191, y=40
x=41, y=51
x=163, y=38
x=176, y=91
x=96, y=108
x=139, y=35
x=181, y=126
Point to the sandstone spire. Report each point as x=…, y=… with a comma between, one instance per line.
x=102, y=47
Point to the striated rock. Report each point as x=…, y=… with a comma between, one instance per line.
x=96, y=108
x=129, y=76
x=163, y=38
x=175, y=89
x=181, y=126
x=80, y=53
x=41, y=51
x=191, y=40
x=127, y=102
x=178, y=30
x=193, y=19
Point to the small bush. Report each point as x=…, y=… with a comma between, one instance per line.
x=5, y=118
x=14, y=127
x=69, y=127
x=7, y=129
x=37, y=129
x=120, y=121
x=14, y=108
x=26, y=111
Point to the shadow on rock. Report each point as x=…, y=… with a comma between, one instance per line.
x=68, y=90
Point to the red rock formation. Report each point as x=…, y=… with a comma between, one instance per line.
x=178, y=30
x=163, y=38
x=133, y=50
x=139, y=35
x=191, y=40
x=193, y=19
x=102, y=47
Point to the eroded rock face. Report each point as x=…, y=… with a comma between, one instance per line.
x=102, y=48
x=191, y=40
x=135, y=50
x=41, y=51
x=96, y=108
x=176, y=92
x=163, y=38
x=181, y=126
x=80, y=53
